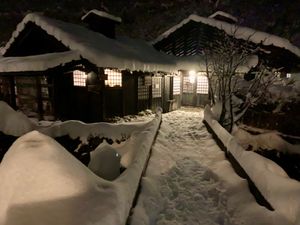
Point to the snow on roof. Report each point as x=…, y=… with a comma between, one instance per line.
x=102, y=14
x=236, y=31
x=37, y=62
x=96, y=48
x=224, y=14
x=150, y=54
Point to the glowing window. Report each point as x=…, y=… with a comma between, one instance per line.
x=114, y=78
x=188, y=87
x=176, y=85
x=288, y=75
x=156, y=87
x=202, y=84
x=143, y=87
x=79, y=78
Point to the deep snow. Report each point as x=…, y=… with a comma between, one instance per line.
x=42, y=183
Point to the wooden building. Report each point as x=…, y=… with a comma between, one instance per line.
x=194, y=34
x=51, y=69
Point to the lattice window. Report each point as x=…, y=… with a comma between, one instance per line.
x=202, y=84
x=114, y=78
x=156, y=87
x=188, y=86
x=79, y=78
x=45, y=92
x=176, y=85
x=143, y=89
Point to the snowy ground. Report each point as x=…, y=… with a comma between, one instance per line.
x=189, y=181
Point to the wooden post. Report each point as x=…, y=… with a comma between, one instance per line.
x=12, y=96
x=39, y=97
x=150, y=95
x=136, y=87
x=102, y=104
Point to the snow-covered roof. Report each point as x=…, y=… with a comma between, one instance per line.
x=236, y=31
x=224, y=14
x=102, y=14
x=96, y=48
x=37, y=62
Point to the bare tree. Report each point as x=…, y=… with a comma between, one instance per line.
x=227, y=88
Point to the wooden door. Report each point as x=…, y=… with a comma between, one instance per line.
x=189, y=88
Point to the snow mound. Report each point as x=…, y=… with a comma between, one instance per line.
x=13, y=122
x=266, y=141
x=42, y=183
x=105, y=162
x=130, y=148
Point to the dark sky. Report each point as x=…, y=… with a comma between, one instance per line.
x=148, y=18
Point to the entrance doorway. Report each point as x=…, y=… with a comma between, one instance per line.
x=194, y=89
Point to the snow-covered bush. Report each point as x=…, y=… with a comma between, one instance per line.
x=105, y=162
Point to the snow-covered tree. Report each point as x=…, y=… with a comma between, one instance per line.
x=230, y=93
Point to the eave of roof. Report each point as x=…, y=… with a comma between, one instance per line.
x=37, y=63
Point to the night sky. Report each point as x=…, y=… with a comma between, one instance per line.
x=148, y=18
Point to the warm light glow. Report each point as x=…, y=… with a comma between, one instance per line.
x=277, y=74
x=288, y=75
x=114, y=78
x=202, y=83
x=79, y=78
x=192, y=76
x=156, y=87
x=176, y=85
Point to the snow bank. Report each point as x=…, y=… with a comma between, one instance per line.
x=280, y=191
x=13, y=122
x=282, y=93
x=41, y=183
x=266, y=141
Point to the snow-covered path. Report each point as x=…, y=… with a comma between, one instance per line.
x=179, y=186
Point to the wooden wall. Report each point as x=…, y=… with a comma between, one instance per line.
x=54, y=96
x=31, y=94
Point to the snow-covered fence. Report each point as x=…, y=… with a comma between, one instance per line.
x=41, y=181
x=274, y=188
